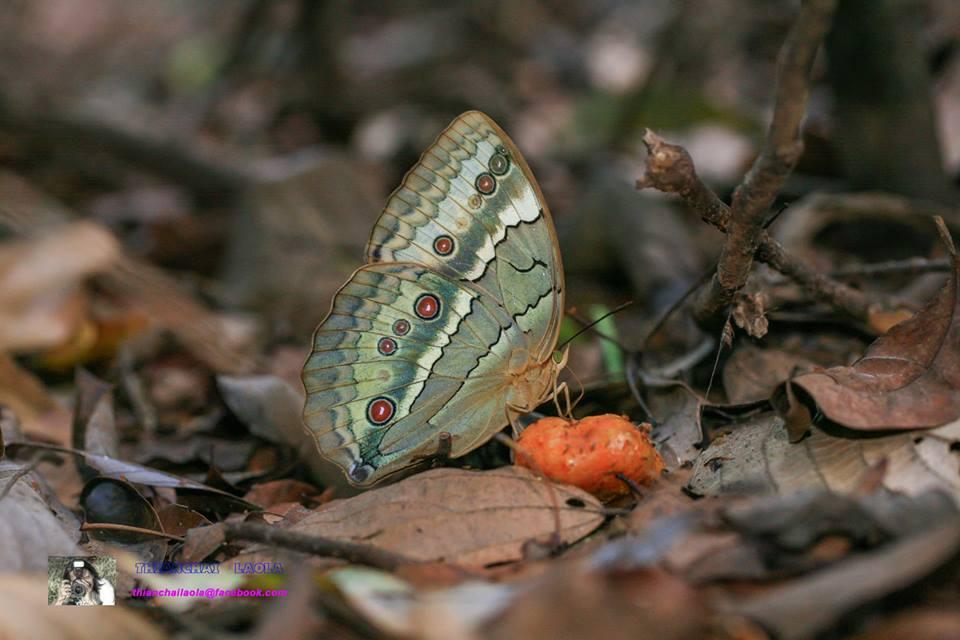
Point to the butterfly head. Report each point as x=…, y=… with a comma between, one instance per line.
x=536, y=383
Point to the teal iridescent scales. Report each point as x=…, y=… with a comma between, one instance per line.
x=451, y=326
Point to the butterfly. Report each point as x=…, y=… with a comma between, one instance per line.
x=448, y=333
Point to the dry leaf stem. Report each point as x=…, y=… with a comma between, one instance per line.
x=671, y=170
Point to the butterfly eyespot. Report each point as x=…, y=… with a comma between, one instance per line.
x=486, y=184
x=360, y=471
x=401, y=327
x=475, y=201
x=387, y=346
x=499, y=164
x=443, y=245
x=380, y=410
x=502, y=150
x=427, y=306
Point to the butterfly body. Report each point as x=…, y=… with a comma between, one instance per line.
x=450, y=327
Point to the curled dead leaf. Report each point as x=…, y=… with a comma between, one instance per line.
x=750, y=313
x=909, y=377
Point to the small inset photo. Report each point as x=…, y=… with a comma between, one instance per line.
x=81, y=580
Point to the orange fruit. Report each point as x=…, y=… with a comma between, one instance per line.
x=589, y=453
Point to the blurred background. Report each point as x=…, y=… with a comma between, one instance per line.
x=184, y=184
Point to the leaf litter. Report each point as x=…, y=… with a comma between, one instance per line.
x=909, y=378
x=188, y=424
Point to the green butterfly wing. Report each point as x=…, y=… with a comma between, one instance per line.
x=452, y=324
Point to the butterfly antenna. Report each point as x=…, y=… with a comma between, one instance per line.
x=726, y=338
x=589, y=324
x=632, y=374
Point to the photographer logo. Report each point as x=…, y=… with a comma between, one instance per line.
x=81, y=580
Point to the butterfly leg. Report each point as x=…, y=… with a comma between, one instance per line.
x=513, y=417
x=444, y=446
x=564, y=390
x=442, y=455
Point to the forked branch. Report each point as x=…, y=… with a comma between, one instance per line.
x=670, y=169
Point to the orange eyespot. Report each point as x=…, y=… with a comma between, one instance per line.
x=380, y=410
x=443, y=245
x=387, y=346
x=486, y=184
x=401, y=327
x=427, y=306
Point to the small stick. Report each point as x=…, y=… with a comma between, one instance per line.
x=908, y=266
x=315, y=545
x=111, y=526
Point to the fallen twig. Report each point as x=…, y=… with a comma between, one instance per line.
x=111, y=526
x=907, y=267
x=315, y=545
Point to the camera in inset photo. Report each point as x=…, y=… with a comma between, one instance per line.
x=81, y=581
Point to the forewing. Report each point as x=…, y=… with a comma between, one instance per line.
x=471, y=209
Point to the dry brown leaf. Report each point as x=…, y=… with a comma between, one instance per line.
x=177, y=519
x=24, y=613
x=467, y=517
x=677, y=431
x=39, y=414
x=916, y=624
x=643, y=604
x=751, y=374
x=757, y=458
x=40, y=303
x=210, y=336
x=909, y=377
x=275, y=492
x=201, y=542
x=28, y=525
x=94, y=424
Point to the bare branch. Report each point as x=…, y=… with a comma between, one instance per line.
x=781, y=149
x=671, y=170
